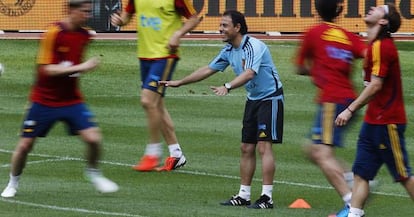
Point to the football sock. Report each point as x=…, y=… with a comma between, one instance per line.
x=244, y=192
x=267, y=190
x=347, y=198
x=355, y=212
x=14, y=181
x=175, y=150
x=92, y=172
x=154, y=149
x=349, y=178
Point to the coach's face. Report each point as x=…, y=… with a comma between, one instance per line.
x=229, y=31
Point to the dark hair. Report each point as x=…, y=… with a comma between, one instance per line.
x=394, y=22
x=328, y=9
x=78, y=3
x=393, y=17
x=237, y=18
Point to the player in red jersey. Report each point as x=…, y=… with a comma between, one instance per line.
x=56, y=96
x=326, y=54
x=381, y=138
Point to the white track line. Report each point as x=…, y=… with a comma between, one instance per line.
x=79, y=210
x=60, y=158
x=69, y=208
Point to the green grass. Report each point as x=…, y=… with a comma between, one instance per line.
x=208, y=128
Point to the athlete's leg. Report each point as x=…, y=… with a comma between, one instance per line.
x=151, y=102
x=409, y=186
x=18, y=161
x=321, y=151
x=247, y=163
x=167, y=126
x=268, y=161
x=92, y=137
x=324, y=157
x=360, y=192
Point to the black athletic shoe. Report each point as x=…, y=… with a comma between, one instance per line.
x=264, y=202
x=236, y=200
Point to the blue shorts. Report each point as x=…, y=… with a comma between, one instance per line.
x=40, y=119
x=324, y=130
x=263, y=120
x=379, y=144
x=153, y=71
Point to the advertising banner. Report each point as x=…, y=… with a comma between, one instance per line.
x=262, y=15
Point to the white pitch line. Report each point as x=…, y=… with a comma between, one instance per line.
x=69, y=208
x=208, y=174
x=38, y=162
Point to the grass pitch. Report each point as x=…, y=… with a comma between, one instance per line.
x=208, y=128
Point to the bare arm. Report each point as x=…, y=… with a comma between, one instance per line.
x=238, y=81
x=120, y=19
x=198, y=75
x=189, y=25
x=67, y=68
x=367, y=94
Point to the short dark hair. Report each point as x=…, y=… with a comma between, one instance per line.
x=328, y=9
x=237, y=18
x=393, y=17
x=78, y=3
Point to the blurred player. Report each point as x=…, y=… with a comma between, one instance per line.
x=56, y=96
x=326, y=54
x=381, y=138
x=160, y=29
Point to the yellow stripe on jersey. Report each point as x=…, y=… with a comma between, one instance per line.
x=166, y=73
x=336, y=35
x=376, y=58
x=45, y=55
x=190, y=6
x=327, y=122
x=396, y=150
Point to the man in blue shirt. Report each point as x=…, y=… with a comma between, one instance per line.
x=252, y=63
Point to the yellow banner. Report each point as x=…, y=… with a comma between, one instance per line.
x=261, y=15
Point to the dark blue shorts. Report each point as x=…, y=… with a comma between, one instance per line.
x=40, y=119
x=324, y=130
x=263, y=120
x=153, y=71
x=382, y=144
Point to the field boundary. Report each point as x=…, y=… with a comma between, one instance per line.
x=191, y=36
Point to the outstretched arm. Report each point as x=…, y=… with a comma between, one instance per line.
x=238, y=81
x=198, y=75
x=67, y=68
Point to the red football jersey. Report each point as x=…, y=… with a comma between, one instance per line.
x=387, y=106
x=331, y=50
x=59, y=46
